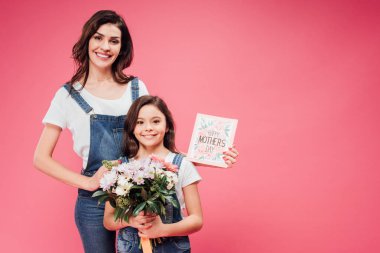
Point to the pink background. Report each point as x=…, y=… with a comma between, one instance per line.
x=302, y=77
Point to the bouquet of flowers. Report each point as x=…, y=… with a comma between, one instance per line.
x=139, y=185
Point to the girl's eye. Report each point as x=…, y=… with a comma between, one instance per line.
x=157, y=121
x=97, y=37
x=115, y=42
x=139, y=122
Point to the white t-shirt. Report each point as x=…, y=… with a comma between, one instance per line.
x=66, y=113
x=187, y=175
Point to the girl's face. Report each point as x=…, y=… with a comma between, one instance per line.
x=104, y=46
x=150, y=127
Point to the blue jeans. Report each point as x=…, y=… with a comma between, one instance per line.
x=89, y=220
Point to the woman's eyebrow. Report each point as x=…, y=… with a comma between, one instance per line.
x=113, y=37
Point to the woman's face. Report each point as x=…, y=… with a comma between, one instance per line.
x=104, y=46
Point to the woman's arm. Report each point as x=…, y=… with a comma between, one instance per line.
x=139, y=222
x=43, y=160
x=188, y=225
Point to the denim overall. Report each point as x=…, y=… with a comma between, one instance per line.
x=106, y=133
x=128, y=240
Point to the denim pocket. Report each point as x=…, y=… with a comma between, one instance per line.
x=88, y=212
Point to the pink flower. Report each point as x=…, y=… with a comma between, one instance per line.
x=171, y=167
x=156, y=158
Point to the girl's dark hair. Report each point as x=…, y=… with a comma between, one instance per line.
x=130, y=143
x=80, y=49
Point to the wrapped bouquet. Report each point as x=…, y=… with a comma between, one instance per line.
x=138, y=185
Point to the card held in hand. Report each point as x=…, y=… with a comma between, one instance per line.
x=211, y=136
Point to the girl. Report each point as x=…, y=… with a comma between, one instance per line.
x=92, y=105
x=149, y=129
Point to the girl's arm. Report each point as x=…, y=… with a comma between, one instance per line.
x=139, y=222
x=230, y=156
x=43, y=161
x=188, y=225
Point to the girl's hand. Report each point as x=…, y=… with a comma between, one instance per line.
x=142, y=221
x=155, y=230
x=93, y=182
x=230, y=156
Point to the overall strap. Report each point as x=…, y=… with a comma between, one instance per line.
x=135, y=89
x=78, y=98
x=177, y=160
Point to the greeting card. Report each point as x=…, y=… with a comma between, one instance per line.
x=211, y=136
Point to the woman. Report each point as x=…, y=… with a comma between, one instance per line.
x=93, y=105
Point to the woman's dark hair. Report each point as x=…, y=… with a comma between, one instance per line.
x=80, y=49
x=130, y=143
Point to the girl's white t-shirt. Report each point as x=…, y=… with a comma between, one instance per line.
x=65, y=112
x=187, y=175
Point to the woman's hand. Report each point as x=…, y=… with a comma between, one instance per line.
x=94, y=181
x=142, y=221
x=230, y=156
x=155, y=230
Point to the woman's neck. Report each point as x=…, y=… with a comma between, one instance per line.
x=97, y=75
x=144, y=152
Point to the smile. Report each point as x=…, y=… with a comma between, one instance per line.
x=104, y=56
x=149, y=136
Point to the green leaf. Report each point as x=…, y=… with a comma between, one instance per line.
x=102, y=199
x=99, y=193
x=126, y=218
x=136, y=187
x=155, y=196
x=154, y=208
x=163, y=212
x=171, y=192
x=109, y=164
x=175, y=203
x=139, y=208
x=168, y=199
x=117, y=213
x=165, y=192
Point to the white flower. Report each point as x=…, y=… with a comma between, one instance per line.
x=122, y=168
x=145, y=163
x=172, y=176
x=160, y=172
x=138, y=177
x=108, y=180
x=156, y=165
x=122, y=190
x=149, y=174
x=122, y=180
x=169, y=186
